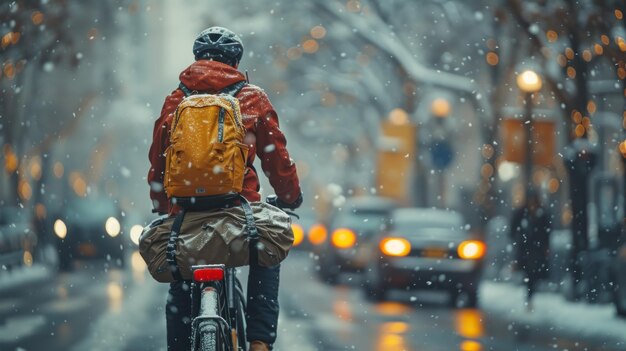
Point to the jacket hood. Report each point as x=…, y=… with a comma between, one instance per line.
x=210, y=76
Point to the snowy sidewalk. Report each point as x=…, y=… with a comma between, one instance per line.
x=552, y=310
x=23, y=275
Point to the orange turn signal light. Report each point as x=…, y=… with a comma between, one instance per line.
x=317, y=234
x=395, y=247
x=298, y=234
x=343, y=238
x=472, y=249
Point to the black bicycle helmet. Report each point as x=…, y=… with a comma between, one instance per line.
x=219, y=44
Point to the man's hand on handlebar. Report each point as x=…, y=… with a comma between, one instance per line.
x=275, y=201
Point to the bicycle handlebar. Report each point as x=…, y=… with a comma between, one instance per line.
x=273, y=200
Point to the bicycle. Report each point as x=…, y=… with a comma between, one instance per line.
x=218, y=306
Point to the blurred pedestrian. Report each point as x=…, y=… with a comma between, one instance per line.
x=530, y=232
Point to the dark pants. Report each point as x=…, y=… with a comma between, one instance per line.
x=261, y=316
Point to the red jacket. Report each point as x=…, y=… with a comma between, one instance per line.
x=263, y=135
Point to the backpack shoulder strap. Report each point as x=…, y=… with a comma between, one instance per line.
x=234, y=89
x=185, y=90
x=231, y=90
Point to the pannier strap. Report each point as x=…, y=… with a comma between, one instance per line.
x=170, y=254
x=253, y=233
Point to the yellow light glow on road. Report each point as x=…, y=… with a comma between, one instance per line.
x=394, y=327
x=137, y=262
x=471, y=345
x=392, y=309
x=115, y=294
x=469, y=323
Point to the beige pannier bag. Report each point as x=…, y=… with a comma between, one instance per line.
x=217, y=237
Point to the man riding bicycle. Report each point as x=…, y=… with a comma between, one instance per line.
x=218, y=52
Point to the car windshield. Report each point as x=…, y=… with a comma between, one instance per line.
x=362, y=221
x=93, y=209
x=430, y=223
x=420, y=228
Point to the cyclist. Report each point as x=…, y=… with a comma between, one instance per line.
x=217, y=54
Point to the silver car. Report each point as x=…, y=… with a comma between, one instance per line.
x=426, y=249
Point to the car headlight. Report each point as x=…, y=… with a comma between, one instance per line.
x=395, y=247
x=317, y=234
x=343, y=238
x=472, y=249
x=135, y=233
x=298, y=234
x=112, y=226
x=60, y=229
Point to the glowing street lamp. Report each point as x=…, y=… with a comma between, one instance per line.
x=440, y=108
x=529, y=82
x=442, y=153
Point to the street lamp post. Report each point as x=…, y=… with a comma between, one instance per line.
x=442, y=152
x=529, y=82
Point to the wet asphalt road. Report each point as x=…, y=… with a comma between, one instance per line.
x=96, y=308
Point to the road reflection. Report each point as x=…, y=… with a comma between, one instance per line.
x=392, y=309
x=341, y=306
x=115, y=295
x=64, y=332
x=471, y=345
x=139, y=266
x=469, y=325
x=391, y=337
x=343, y=311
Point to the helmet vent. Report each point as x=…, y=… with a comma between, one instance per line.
x=214, y=37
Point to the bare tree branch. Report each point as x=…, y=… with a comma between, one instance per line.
x=373, y=30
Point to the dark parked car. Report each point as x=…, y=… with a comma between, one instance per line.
x=18, y=239
x=351, y=230
x=89, y=228
x=426, y=249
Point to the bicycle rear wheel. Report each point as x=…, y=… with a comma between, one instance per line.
x=209, y=325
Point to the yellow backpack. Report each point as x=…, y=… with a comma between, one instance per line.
x=206, y=156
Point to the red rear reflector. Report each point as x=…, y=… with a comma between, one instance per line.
x=208, y=274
